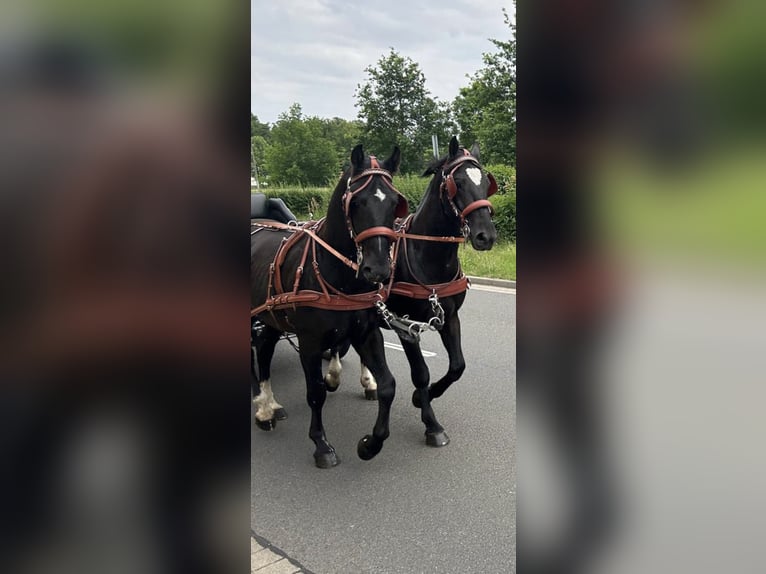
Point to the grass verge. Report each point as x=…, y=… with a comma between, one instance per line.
x=498, y=263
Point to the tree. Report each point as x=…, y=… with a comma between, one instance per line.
x=258, y=128
x=343, y=135
x=486, y=109
x=298, y=152
x=258, y=145
x=397, y=109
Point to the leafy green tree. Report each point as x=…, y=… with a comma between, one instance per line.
x=397, y=109
x=486, y=109
x=258, y=145
x=344, y=135
x=298, y=152
x=258, y=128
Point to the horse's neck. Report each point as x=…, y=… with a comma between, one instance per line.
x=335, y=232
x=436, y=219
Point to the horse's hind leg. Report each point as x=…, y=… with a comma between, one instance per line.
x=316, y=393
x=267, y=409
x=371, y=352
x=450, y=336
x=332, y=378
x=435, y=435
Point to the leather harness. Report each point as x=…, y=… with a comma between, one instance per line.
x=329, y=297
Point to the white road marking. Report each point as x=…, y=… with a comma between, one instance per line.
x=398, y=347
x=493, y=289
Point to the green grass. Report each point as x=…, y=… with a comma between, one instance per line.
x=498, y=263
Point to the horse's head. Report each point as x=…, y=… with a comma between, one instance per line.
x=371, y=203
x=466, y=187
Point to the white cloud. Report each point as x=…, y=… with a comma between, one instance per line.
x=314, y=51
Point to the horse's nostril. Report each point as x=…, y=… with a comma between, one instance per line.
x=481, y=237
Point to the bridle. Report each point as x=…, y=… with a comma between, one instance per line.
x=449, y=188
x=402, y=208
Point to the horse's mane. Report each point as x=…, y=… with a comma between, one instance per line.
x=437, y=163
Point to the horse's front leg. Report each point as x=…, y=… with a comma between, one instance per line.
x=267, y=410
x=370, y=350
x=316, y=393
x=450, y=335
x=435, y=435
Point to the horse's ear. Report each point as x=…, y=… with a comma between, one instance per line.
x=429, y=171
x=357, y=158
x=391, y=165
x=475, y=150
x=454, y=146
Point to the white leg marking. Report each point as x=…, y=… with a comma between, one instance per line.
x=367, y=380
x=332, y=378
x=264, y=411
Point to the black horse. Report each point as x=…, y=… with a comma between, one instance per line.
x=358, y=228
x=455, y=204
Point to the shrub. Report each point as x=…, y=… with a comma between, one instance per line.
x=412, y=187
x=302, y=200
x=505, y=176
x=505, y=216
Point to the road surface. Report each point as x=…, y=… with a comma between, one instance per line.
x=412, y=509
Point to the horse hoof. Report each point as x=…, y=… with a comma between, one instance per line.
x=329, y=388
x=371, y=394
x=416, y=399
x=368, y=447
x=280, y=414
x=267, y=425
x=326, y=460
x=437, y=439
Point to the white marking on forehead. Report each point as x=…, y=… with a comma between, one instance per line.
x=475, y=174
x=380, y=195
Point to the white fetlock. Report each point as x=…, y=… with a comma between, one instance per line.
x=368, y=380
x=332, y=378
x=264, y=401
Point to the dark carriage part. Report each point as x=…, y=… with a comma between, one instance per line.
x=262, y=207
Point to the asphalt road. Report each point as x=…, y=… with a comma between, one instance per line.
x=413, y=508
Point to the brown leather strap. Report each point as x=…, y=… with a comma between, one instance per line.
x=416, y=291
x=317, y=300
x=377, y=231
x=441, y=239
x=402, y=229
x=311, y=233
x=478, y=204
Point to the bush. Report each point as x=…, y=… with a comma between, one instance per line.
x=302, y=200
x=505, y=176
x=505, y=216
x=412, y=187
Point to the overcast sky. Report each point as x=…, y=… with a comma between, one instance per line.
x=314, y=51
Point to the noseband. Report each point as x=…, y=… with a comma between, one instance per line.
x=449, y=187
